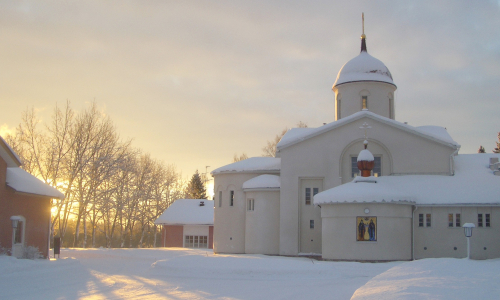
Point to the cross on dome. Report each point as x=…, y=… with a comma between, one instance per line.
x=363, y=36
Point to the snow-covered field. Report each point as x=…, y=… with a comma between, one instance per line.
x=198, y=274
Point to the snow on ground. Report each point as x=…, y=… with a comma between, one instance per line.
x=179, y=273
x=436, y=278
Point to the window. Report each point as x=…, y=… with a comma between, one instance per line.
x=308, y=196
x=220, y=198
x=195, y=241
x=428, y=220
x=311, y=224
x=479, y=220
x=231, y=198
x=364, y=102
x=250, y=204
x=487, y=219
x=315, y=191
x=18, y=238
x=457, y=220
x=377, y=168
x=338, y=107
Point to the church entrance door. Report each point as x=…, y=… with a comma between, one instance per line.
x=310, y=216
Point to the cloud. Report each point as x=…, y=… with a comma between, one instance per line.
x=223, y=77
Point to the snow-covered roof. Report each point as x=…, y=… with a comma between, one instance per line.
x=297, y=135
x=262, y=182
x=8, y=154
x=364, y=67
x=472, y=184
x=251, y=165
x=188, y=212
x=24, y=182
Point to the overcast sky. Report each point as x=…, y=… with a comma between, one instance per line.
x=194, y=82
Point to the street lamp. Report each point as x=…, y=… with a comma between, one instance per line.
x=468, y=233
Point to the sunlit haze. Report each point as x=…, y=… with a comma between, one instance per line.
x=195, y=82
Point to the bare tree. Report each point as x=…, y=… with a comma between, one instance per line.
x=109, y=187
x=243, y=156
x=270, y=149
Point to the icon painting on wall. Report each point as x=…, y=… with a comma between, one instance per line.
x=366, y=229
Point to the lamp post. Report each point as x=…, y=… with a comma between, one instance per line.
x=468, y=233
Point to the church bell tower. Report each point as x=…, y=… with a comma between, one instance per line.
x=364, y=83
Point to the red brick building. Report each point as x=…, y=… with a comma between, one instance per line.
x=25, y=204
x=188, y=223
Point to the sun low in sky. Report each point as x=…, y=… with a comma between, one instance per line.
x=194, y=83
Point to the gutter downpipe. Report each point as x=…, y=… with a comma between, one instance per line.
x=413, y=233
x=452, y=165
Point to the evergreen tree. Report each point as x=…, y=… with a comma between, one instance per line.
x=196, y=188
x=481, y=150
x=497, y=149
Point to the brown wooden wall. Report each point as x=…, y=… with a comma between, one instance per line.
x=172, y=235
x=35, y=209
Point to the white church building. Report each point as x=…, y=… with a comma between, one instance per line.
x=410, y=204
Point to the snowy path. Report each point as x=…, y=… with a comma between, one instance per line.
x=180, y=274
x=197, y=274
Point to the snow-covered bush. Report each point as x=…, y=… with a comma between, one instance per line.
x=4, y=251
x=31, y=252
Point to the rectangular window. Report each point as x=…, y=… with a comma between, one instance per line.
x=487, y=220
x=427, y=220
x=231, y=198
x=479, y=220
x=18, y=238
x=457, y=220
x=250, y=204
x=220, y=199
x=308, y=196
x=420, y=220
x=338, y=108
x=311, y=224
x=377, y=168
x=315, y=191
x=364, y=102
x=195, y=241
x=450, y=220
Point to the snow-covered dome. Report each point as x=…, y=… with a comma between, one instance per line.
x=365, y=155
x=364, y=67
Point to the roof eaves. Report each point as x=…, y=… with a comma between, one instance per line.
x=272, y=171
x=261, y=189
x=373, y=116
x=354, y=81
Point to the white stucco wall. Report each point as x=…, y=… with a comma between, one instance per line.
x=229, y=221
x=327, y=157
x=262, y=224
x=378, y=95
x=195, y=230
x=440, y=240
x=340, y=229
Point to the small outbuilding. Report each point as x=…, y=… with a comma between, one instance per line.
x=188, y=223
x=25, y=206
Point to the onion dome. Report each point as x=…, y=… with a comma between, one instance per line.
x=366, y=161
x=363, y=67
